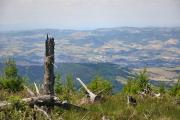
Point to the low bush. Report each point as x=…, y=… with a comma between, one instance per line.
x=137, y=83
x=99, y=84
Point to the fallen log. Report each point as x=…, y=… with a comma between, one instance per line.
x=45, y=100
x=31, y=100
x=68, y=106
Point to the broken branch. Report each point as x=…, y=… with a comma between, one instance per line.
x=91, y=94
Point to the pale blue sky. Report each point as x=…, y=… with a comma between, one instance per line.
x=87, y=14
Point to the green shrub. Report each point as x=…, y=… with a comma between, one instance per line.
x=16, y=102
x=12, y=84
x=10, y=79
x=68, y=89
x=142, y=80
x=100, y=84
x=69, y=83
x=58, y=84
x=175, y=90
x=162, y=88
x=137, y=83
x=10, y=69
x=131, y=86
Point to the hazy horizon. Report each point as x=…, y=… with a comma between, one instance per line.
x=83, y=29
x=87, y=15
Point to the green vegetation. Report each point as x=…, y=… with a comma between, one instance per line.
x=58, y=84
x=10, y=79
x=138, y=83
x=175, y=90
x=162, y=88
x=113, y=106
x=99, y=84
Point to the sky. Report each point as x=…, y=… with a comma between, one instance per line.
x=88, y=14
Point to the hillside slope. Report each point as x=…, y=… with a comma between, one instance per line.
x=86, y=71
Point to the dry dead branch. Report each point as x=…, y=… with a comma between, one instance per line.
x=91, y=94
x=31, y=93
x=37, y=90
x=44, y=112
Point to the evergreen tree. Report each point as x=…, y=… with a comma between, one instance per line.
x=10, y=79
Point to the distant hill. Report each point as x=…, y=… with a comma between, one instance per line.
x=127, y=46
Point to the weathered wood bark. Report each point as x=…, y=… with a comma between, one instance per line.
x=49, y=67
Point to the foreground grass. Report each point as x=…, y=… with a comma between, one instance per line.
x=113, y=107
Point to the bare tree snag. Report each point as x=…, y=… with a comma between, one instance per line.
x=49, y=67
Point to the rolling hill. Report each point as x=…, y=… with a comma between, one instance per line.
x=127, y=46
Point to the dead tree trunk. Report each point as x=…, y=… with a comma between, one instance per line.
x=49, y=67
